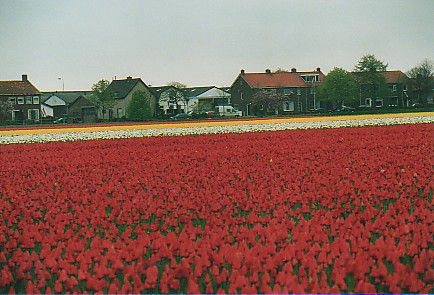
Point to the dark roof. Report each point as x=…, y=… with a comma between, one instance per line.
x=17, y=87
x=157, y=90
x=195, y=91
x=66, y=96
x=285, y=79
x=121, y=88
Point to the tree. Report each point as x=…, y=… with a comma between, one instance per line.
x=369, y=75
x=280, y=70
x=139, y=108
x=369, y=63
x=177, y=84
x=268, y=102
x=102, y=98
x=5, y=110
x=422, y=75
x=181, y=95
x=338, y=86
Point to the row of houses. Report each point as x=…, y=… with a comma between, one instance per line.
x=298, y=87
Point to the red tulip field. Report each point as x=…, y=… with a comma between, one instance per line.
x=301, y=211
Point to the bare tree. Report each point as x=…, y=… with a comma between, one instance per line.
x=422, y=75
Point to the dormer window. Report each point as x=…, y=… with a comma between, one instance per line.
x=310, y=78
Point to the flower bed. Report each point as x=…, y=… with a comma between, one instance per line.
x=318, y=211
x=209, y=127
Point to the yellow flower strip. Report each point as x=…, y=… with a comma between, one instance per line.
x=139, y=126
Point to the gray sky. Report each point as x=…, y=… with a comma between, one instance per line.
x=204, y=42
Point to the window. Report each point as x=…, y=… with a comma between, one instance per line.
x=242, y=96
x=33, y=114
x=35, y=99
x=28, y=100
x=368, y=102
x=394, y=87
x=16, y=115
x=379, y=102
x=13, y=100
x=120, y=112
x=20, y=100
x=298, y=91
x=404, y=87
x=261, y=107
x=288, y=106
x=310, y=78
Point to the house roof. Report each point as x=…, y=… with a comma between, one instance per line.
x=395, y=77
x=121, y=88
x=286, y=79
x=157, y=90
x=391, y=77
x=17, y=87
x=67, y=96
x=196, y=91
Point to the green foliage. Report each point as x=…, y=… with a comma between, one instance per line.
x=280, y=70
x=369, y=75
x=139, y=108
x=102, y=98
x=268, y=103
x=369, y=63
x=5, y=110
x=338, y=86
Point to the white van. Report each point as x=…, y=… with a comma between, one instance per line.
x=228, y=111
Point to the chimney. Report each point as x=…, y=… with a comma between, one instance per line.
x=24, y=77
x=318, y=69
x=268, y=71
x=293, y=70
x=242, y=71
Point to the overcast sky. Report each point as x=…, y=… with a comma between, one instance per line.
x=201, y=42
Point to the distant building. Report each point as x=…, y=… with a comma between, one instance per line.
x=122, y=91
x=75, y=104
x=298, y=87
x=23, y=97
x=398, y=91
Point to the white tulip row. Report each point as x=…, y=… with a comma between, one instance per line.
x=112, y=134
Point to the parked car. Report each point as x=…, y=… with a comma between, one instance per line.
x=66, y=120
x=228, y=111
x=417, y=105
x=346, y=109
x=319, y=111
x=181, y=116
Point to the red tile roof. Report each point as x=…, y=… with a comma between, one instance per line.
x=395, y=77
x=287, y=79
x=17, y=87
x=392, y=77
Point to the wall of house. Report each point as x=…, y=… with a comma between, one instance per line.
x=75, y=110
x=119, y=110
x=25, y=107
x=241, y=96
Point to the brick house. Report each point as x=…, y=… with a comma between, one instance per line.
x=398, y=91
x=298, y=87
x=23, y=97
